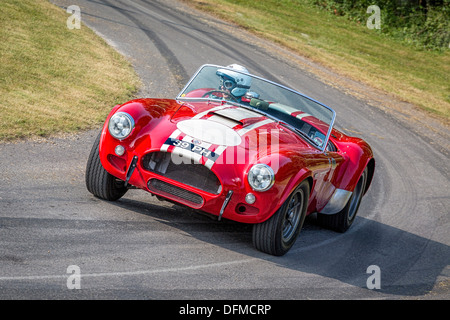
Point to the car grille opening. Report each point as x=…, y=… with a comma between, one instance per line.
x=176, y=193
x=192, y=174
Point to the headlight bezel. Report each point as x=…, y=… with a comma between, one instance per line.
x=112, y=122
x=252, y=175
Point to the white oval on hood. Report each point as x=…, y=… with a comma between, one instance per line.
x=210, y=132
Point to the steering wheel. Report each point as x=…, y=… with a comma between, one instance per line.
x=224, y=94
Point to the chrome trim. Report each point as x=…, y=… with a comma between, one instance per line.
x=327, y=138
x=225, y=203
x=131, y=169
x=337, y=201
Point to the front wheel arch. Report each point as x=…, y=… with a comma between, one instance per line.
x=99, y=182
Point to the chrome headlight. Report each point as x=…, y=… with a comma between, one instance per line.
x=120, y=125
x=261, y=177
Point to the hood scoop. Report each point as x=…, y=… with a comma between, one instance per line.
x=235, y=116
x=224, y=119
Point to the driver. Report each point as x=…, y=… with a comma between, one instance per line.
x=235, y=83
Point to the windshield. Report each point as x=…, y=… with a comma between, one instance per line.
x=309, y=118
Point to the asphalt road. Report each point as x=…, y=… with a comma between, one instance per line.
x=141, y=248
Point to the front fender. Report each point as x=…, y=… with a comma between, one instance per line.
x=148, y=114
x=291, y=172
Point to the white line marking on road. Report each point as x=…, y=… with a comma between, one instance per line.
x=130, y=273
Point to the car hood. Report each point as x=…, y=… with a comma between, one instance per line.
x=227, y=134
x=232, y=126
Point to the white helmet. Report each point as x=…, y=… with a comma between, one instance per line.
x=235, y=82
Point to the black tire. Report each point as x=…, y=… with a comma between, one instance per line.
x=342, y=220
x=278, y=234
x=98, y=181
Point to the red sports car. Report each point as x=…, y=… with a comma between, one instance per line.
x=239, y=147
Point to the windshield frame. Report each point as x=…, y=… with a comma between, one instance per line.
x=297, y=131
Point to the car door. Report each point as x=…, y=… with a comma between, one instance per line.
x=324, y=174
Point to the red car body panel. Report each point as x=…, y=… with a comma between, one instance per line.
x=295, y=160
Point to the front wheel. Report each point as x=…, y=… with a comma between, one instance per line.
x=278, y=234
x=98, y=181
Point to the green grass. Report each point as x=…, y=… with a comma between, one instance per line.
x=416, y=76
x=53, y=79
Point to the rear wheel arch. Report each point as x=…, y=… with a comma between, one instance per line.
x=342, y=220
x=370, y=173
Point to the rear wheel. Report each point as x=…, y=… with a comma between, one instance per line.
x=342, y=220
x=278, y=234
x=98, y=181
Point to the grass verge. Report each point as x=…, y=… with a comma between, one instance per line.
x=348, y=48
x=53, y=79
